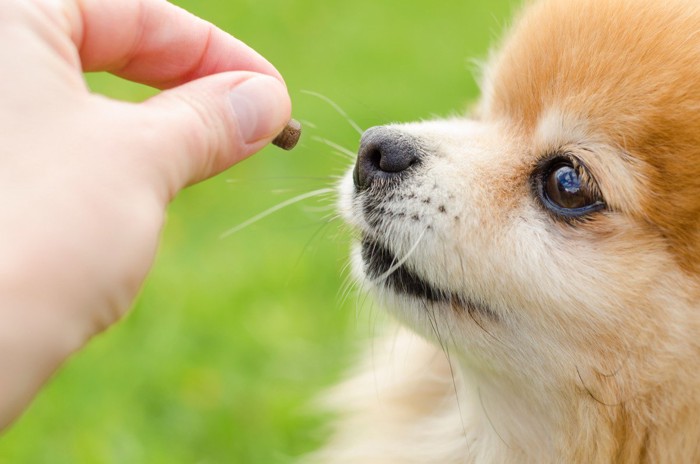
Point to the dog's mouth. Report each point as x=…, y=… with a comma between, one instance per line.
x=381, y=265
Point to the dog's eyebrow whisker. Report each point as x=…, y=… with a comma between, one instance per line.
x=276, y=208
x=342, y=150
x=337, y=108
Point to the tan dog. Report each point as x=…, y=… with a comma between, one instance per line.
x=547, y=249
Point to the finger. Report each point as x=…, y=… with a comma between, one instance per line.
x=157, y=43
x=205, y=126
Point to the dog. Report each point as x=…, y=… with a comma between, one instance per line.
x=542, y=253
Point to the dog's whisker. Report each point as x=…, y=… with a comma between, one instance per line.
x=323, y=227
x=346, y=153
x=361, y=302
x=332, y=217
x=336, y=107
x=470, y=310
x=594, y=397
x=308, y=123
x=615, y=372
x=274, y=209
x=483, y=408
x=339, y=154
x=433, y=325
x=444, y=345
x=319, y=209
x=348, y=284
x=235, y=180
x=456, y=389
x=382, y=278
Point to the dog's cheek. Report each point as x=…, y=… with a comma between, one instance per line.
x=582, y=288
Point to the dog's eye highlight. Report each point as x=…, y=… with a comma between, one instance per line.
x=567, y=189
x=564, y=188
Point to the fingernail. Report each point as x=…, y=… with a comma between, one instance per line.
x=260, y=106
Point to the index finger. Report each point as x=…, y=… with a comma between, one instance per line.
x=157, y=43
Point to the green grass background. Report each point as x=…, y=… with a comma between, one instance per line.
x=231, y=339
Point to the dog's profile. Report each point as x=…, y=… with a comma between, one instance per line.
x=545, y=249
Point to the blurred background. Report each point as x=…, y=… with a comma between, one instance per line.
x=232, y=338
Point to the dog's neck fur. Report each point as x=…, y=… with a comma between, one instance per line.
x=513, y=422
x=521, y=421
x=413, y=404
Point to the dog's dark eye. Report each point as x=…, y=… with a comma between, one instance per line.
x=566, y=188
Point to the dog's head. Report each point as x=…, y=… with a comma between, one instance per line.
x=551, y=240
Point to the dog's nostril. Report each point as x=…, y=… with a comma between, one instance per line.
x=374, y=157
x=384, y=153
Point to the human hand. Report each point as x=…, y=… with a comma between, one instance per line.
x=85, y=180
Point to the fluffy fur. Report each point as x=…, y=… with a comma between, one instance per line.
x=562, y=340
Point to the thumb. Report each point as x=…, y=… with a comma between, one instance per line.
x=205, y=126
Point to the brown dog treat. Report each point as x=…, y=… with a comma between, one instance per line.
x=288, y=138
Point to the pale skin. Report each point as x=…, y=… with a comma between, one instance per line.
x=85, y=180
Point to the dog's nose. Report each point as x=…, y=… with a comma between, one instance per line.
x=383, y=154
